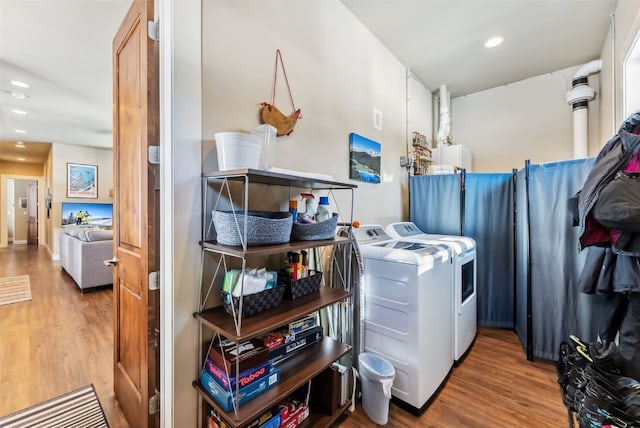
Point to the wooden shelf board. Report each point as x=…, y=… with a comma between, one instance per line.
x=290, y=310
x=272, y=249
x=294, y=372
x=278, y=179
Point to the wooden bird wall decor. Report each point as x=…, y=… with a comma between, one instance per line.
x=270, y=114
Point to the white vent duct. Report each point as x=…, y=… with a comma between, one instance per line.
x=578, y=97
x=445, y=121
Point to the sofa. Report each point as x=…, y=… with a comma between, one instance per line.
x=82, y=255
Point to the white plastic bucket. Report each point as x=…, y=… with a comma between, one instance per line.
x=237, y=150
x=376, y=378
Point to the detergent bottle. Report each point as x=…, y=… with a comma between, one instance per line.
x=324, y=211
x=309, y=215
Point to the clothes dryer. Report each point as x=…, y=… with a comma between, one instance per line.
x=408, y=301
x=464, y=283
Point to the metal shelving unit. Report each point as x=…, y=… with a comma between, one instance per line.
x=301, y=367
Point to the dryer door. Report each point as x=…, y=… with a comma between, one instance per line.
x=467, y=281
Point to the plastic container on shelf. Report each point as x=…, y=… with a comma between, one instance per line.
x=376, y=377
x=324, y=210
x=268, y=135
x=237, y=150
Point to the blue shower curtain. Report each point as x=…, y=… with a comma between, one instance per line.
x=522, y=252
x=527, y=280
x=488, y=218
x=558, y=309
x=435, y=208
x=434, y=203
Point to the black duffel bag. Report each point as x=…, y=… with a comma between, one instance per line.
x=618, y=204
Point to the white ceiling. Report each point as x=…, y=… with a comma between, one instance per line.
x=62, y=48
x=442, y=41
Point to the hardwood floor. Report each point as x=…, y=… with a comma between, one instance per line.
x=59, y=341
x=495, y=386
x=63, y=340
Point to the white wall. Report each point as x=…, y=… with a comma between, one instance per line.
x=529, y=119
x=338, y=74
x=181, y=195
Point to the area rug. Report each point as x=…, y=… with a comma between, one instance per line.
x=14, y=289
x=77, y=409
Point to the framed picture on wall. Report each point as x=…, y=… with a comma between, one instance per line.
x=364, y=159
x=82, y=181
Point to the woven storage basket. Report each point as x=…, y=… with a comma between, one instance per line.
x=254, y=303
x=263, y=228
x=302, y=287
x=315, y=231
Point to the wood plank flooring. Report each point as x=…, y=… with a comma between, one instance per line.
x=495, y=386
x=63, y=340
x=59, y=341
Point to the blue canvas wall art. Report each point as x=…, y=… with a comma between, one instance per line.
x=364, y=157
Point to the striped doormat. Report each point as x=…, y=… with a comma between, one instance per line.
x=77, y=409
x=14, y=289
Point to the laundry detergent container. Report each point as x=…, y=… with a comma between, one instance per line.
x=376, y=378
x=237, y=150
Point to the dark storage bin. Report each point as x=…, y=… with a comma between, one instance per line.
x=254, y=303
x=302, y=287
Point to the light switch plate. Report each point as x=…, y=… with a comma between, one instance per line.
x=377, y=119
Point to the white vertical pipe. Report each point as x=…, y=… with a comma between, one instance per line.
x=580, y=133
x=578, y=97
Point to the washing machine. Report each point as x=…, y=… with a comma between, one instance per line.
x=408, y=319
x=465, y=266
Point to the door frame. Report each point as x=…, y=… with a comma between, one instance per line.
x=180, y=205
x=4, y=231
x=164, y=15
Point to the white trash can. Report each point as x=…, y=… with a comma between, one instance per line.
x=376, y=378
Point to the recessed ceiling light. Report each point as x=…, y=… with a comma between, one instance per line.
x=19, y=131
x=19, y=84
x=18, y=95
x=21, y=159
x=17, y=111
x=493, y=42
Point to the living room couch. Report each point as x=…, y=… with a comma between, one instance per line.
x=82, y=255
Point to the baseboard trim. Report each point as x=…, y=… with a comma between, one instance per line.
x=20, y=242
x=54, y=257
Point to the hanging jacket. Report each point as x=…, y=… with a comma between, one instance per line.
x=613, y=157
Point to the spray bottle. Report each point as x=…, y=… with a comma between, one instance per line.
x=309, y=215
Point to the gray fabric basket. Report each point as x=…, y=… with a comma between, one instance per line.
x=263, y=228
x=315, y=231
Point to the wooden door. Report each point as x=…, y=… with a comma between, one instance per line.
x=32, y=213
x=135, y=62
